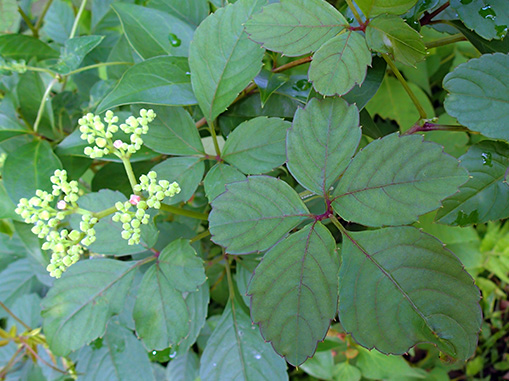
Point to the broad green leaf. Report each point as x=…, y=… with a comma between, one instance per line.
x=391, y=34
x=396, y=179
x=257, y=146
x=372, y=8
x=190, y=11
x=378, y=366
x=254, y=214
x=173, y=132
x=16, y=280
x=157, y=81
x=21, y=47
x=184, y=367
x=80, y=304
x=400, y=287
x=153, y=33
x=362, y=94
x=294, y=292
x=485, y=197
x=7, y=206
x=9, y=16
x=186, y=171
x=58, y=21
x=268, y=82
x=320, y=366
x=346, y=372
x=488, y=18
x=236, y=351
x=295, y=27
x=323, y=138
x=10, y=128
x=481, y=44
x=74, y=51
x=106, y=358
x=29, y=168
x=11, y=249
x=339, y=64
x=218, y=78
x=27, y=308
x=217, y=178
x=479, y=96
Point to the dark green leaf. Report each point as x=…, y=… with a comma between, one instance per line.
x=294, y=292
x=489, y=19
x=236, y=351
x=112, y=176
x=400, y=287
x=11, y=249
x=27, y=308
x=254, y=214
x=257, y=146
x=378, y=366
x=321, y=142
x=10, y=127
x=16, y=280
x=485, y=197
x=78, y=307
x=268, y=82
x=21, y=47
x=479, y=96
x=372, y=8
x=484, y=46
x=58, y=21
x=394, y=180
x=185, y=367
x=295, y=27
x=74, y=52
x=339, y=64
x=218, y=78
x=158, y=81
x=218, y=176
x=190, y=11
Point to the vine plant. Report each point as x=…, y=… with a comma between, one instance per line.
x=271, y=160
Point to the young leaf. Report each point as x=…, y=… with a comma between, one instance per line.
x=372, y=8
x=254, y=214
x=295, y=27
x=158, y=81
x=321, y=142
x=479, y=95
x=74, y=52
x=190, y=11
x=218, y=78
x=257, y=146
x=400, y=287
x=22, y=47
x=294, y=292
x=339, y=64
x=80, y=304
x=236, y=351
x=217, y=178
x=392, y=35
x=485, y=197
x=396, y=179
x=489, y=19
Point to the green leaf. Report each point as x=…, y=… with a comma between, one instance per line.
x=362, y=94
x=372, y=8
x=29, y=168
x=10, y=128
x=484, y=46
x=392, y=35
x=106, y=359
x=218, y=78
x=184, y=367
x=217, y=178
x=396, y=179
x=485, y=197
x=16, y=280
x=257, y=146
x=173, y=132
x=268, y=82
x=11, y=249
x=186, y=171
x=191, y=11
x=21, y=47
x=320, y=366
x=153, y=33
x=339, y=64
x=346, y=372
x=294, y=292
x=9, y=16
x=479, y=96
x=74, y=52
x=295, y=27
x=321, y=142
x=58, y=21
x=80, y=304
x=27, y=308
x=488, y=18
x=254, y=214
x=400, y=287
x=236, y=351
x=113, y=176
x=157, y=81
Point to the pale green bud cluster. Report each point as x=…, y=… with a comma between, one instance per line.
x=61, y=185
x=94, y=131
x=157, y=191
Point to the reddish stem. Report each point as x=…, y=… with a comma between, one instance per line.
x=426, y=19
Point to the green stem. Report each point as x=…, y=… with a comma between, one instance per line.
x=340, y=227
x=184, y=212
x=94, y=66
x=41, y=17
x=446, y=41
x=43, y=103
x=15, y=317
x=231, y=290
x=203, y=234
x=104, y=213
x=354, y=11
x=27, y=21
x=130, y=173
x=214, y=138
x=77, y=19
x=42, y=70
x=407, y=88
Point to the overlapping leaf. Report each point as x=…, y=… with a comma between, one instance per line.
x=394, y=180
x=190, y=11
x=16, y=280
x=488, y=18
x=74, y=52
x=217, y=178
x=10, y=128
x=294, y=292
x=22, y=47
x=372, y=8
x=400, y=287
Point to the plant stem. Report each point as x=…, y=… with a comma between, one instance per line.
x=104, y=213
x=436, y=127
x=446, y=41
x=426, y=19
x=336, y=223
x=42, y=70
x=77, y=19
x=43, y=103
x=94, y=66
x=15, y=317
x=41, y=17
x=27, y=346
x=12, y=361
x=184, y=212
x=203, y=234
x=231, y=290
x=407, y=88
x=130, y=173
x=214, y=138
x=354, y=11
x=27, y=21
x=292, y=64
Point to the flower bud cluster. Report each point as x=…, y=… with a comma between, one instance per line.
x=132, y=221
x=94, y=131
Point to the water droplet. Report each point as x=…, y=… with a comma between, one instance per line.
x=501, y=30
x=258, y=356
x=349, y=19
x=240, y=333
x=154, y=353
x=174, y=40
x=214, y=364
x=253, y=327
x=301, y=85
x=173, y=355
x=188, y=73
x=487, y=13
x=487, y=159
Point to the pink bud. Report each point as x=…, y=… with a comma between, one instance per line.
x=134, y=200
x=61, y=204
x=117, y=144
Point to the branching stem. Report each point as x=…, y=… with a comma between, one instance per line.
x=354, y=11
x=15, y=317
x=184, y=212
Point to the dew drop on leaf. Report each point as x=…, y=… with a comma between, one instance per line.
x=487, y=159
x=174, y=40
x=172, y=355
x=301, y=85
x=487, y=13
x=501, y=30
